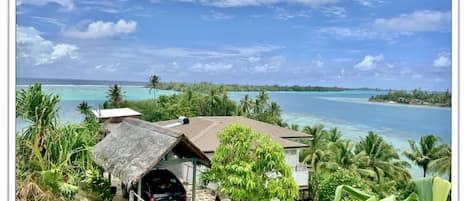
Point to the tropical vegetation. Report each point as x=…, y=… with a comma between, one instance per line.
x=215, y=102
x=249, y=166
x=53, y=162
x=205, y=86
x=371, y=164
x=154, y=84
x=424, y=189
x=415, y=97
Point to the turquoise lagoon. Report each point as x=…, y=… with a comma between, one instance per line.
x=349, y=111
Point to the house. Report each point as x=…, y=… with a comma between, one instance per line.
x=202, y=131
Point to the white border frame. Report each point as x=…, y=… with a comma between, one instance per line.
x=8, y=75
x=11, y=99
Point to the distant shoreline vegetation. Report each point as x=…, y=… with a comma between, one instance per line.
x=181, y=86
x=415, y=97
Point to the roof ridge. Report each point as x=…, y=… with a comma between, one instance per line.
x=205, y=130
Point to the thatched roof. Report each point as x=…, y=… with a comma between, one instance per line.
x=135, y=147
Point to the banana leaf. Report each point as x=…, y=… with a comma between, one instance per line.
x=440, y=189
x=424, y=188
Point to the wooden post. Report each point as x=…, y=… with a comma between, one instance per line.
x=139, y=188
x=194, y=178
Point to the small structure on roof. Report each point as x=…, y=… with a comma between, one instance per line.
x=134, y=147
x=115, y=114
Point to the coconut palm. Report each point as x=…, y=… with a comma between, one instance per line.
x=425, y=153
x=245, y=105
x=153, y=84
x=442, y=165
x=333, y=135
x=315, y=154
x=115, y=96
x=261, y=102
x=274, y=109
x=213, y=101
x=343, y=154
x=373, y=153
x=84, y=108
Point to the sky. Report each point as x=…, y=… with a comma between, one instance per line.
x=397, y=44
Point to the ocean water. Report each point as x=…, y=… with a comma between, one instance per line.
x=349, y=111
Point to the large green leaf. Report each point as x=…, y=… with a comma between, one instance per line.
x=424, y=188
x=440, y=189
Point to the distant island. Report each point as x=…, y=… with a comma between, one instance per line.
x=180, y=86
x=415, y=97
x=204, y=86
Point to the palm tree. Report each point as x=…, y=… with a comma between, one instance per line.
x=154, y=84
x=84, y=109
x=245, y=105
x=442, y=165
x=261, y=102
x=213, y=101
x=425, y=153
x=274, y=109
x=315, y=153
x=343, y=154
x=114, y=95
x=333, y=135
x=375, y=154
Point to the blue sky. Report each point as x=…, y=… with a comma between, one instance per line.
x=397, y=44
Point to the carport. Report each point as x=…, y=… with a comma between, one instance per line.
x=134, y=147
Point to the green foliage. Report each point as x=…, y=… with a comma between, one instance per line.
x=115, y=97
x=205, y=86
x=216, y=102
x=429, y=149
x=423, y=189
x=375, y=154
x=249, y=166
x=50, y=160
x=97, y=183
x=325, y=188
x=417, y=97
x=154, y=84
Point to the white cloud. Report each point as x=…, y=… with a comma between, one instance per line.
x=392, y=28
x=254, y=59
x=318, y=62
x=67, y=4
x=243, y=3
x=49, y=20
x=284, y=14
x=110, y=68
x=369, y=62
x=31, y=46
x=443, y=60
x=239, y=51
x=272, y=64
x=357, y=33
x=369, y=3
x=334, y=11
x=216, y=16
x=422, y=20
x=211, y=67
x=100, y=29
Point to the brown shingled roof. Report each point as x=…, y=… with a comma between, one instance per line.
x=203, y=131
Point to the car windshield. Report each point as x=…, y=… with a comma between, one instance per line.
x=162, y=183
